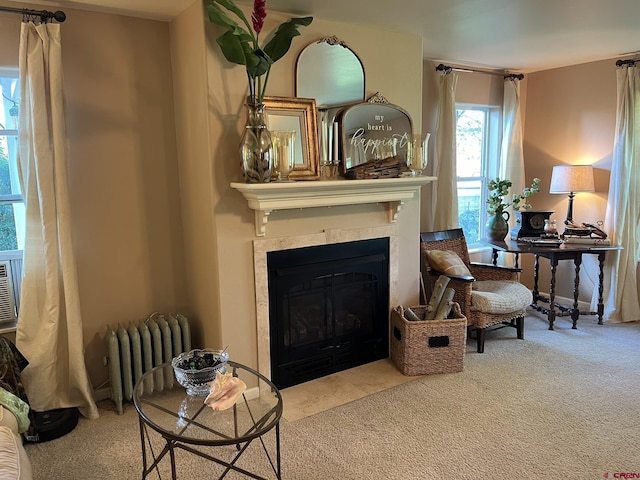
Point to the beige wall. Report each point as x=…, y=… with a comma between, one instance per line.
x=221, y=232
x=123, y=175
x=10, y=35
x=196, y=165
x=570, y=119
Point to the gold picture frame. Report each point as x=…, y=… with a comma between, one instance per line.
x=299, y=114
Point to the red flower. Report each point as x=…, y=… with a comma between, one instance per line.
x=259, y=14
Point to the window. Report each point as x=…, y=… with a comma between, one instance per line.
x=12, y=211
x=477, y=146
x=11, y=202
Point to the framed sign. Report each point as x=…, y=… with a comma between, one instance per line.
x=299, y=115
x=373, y=131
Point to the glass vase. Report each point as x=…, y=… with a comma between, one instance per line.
x=283, y=153
x=417, y=153
x=255, y=146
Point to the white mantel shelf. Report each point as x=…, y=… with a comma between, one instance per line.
x=264, y=198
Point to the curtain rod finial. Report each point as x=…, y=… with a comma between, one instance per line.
x=444, y=68
x=627, y=63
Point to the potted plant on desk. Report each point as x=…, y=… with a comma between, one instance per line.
x=497, y=226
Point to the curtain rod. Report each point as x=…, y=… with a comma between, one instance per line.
x=447, y=69
x=45, y=15
x=627, y=63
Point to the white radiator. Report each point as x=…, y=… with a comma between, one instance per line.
x=137, y=349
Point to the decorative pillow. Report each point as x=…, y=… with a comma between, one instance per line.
x=447, y=262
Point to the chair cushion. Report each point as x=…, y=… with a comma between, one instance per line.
x=499, y=296
x=447, y=262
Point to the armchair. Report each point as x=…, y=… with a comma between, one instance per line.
x=488, y=295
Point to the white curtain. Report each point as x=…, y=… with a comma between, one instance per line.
x=511, y=156
x=445, y=204
x=623, y=210
x=49, y=330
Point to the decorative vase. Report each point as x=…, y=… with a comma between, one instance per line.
x=550, y=227
x=417, y=153
x=497, y=226
x=255, y=146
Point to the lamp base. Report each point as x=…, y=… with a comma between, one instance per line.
x=569, y=219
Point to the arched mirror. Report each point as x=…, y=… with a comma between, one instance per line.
x=331, y=73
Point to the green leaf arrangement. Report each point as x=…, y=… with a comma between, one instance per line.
x=500, y=189
x=240, y=45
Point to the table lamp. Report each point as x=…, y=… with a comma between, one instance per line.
x=571, y=179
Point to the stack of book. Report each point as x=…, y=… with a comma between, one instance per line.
x=582, y=240
x=544, y=241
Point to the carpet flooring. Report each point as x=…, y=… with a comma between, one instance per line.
x=560, y=404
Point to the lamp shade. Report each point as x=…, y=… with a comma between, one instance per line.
x=572, y=178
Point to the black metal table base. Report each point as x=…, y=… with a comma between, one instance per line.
x=171, y=445
x=171, y=420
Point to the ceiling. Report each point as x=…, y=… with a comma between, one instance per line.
x=514, y=35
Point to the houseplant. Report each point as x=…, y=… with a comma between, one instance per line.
x=241, y=45
x=497, y=226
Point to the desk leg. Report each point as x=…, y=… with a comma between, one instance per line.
x=551, y=316
x=536, y=271
x=600, y=287
x=575, y=313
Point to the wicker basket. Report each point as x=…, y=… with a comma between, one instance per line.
x=428, y=346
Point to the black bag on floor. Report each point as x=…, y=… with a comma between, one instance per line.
x=52, y=424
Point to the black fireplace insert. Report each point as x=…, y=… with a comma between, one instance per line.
x=328, y=309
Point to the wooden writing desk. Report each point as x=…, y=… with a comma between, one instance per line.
x=554, y=254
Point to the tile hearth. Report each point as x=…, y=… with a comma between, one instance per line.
x=328, y=392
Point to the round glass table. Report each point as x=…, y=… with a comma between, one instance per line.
x=186, y=423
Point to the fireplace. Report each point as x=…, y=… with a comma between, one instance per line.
x=328, y=308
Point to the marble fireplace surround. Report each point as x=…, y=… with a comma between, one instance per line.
x=261, y=246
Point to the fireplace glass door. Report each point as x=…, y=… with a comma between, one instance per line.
x=329, y=309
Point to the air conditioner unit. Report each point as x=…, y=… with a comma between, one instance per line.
x=7, y=304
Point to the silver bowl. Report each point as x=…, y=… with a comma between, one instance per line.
x=195, y=369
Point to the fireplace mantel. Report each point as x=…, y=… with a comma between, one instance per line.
x=264, y=198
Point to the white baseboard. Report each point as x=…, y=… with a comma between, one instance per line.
x=101, y=394
x=251, y=393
